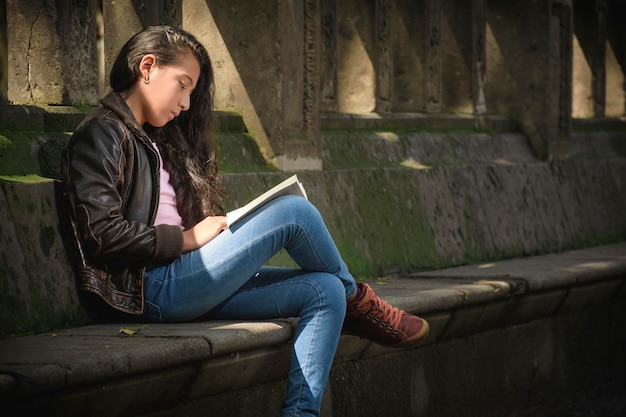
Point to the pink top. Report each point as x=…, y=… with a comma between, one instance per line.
x=167, y=212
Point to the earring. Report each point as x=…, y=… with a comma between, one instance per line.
x=147, y=79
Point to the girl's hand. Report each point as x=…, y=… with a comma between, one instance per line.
x=203, y=232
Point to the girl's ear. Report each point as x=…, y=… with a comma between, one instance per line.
x=147, y=63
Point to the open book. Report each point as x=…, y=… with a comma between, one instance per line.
x=291, y=186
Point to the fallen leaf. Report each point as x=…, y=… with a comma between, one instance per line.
x=129, y=332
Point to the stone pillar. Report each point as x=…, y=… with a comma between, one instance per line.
x=52, y=52
x=328, y=81
x=124, y=18
x=241, y=59
x=616, y=59
x=266, y=57
x=434, y=57
x=599, y=66
x=562, y=28
x=301, y=139
x=479, y=59
x=384, y=55
x=529, y=67
x=4, y=56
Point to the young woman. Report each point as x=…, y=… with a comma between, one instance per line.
x=153, y=244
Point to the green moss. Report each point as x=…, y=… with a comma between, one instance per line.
x=24, y=178
x=596, y=240
x=360, y=267
x=40, y=315
x=66, y=109
x=5, y=142
x=85, y=109
x=377, y=228
x=282, y=258
x=43, y=318
x=239, y=153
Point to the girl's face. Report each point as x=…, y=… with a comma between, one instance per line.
x=164, y=91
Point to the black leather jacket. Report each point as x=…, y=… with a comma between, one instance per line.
x=111, y=175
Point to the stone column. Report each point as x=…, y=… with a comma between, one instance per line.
x=4, y=56
x=529, y=67
x=266, y=57
x=328, y=56
x=562, y=28
x=384, y=55
x=433, y=63
x=616, y=59
x=300, y=143
x=599, y=63
x=479, y=59
x=52, y=52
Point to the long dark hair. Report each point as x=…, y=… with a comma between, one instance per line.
x=186, y=143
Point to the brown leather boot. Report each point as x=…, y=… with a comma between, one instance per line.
x=372, y=318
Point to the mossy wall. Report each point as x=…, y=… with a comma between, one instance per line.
x=37, y=290
x=401, y=199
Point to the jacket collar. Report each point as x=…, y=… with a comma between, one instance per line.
x=116, y=103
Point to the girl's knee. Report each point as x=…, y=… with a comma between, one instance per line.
x=330, y=292
x=299, y=205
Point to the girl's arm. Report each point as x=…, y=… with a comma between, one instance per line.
x=203, y=232
x=97, y=175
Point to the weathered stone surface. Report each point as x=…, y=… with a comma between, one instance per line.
x=37, y=283
x=394, y=201
x=42, y=34
x=487, y=328
x=283, y=115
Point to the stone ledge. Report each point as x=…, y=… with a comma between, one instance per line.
x=416, y=121
x=38, y=118
x=70, y=372
x=32, y=139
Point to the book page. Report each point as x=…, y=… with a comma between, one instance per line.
x=291, y=186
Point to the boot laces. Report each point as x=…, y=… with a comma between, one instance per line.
x=381, y=313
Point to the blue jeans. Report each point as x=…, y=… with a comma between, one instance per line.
x=226, y=279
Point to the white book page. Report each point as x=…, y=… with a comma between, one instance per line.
x=291, y=186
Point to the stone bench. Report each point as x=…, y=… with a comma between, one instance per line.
x=238, y=368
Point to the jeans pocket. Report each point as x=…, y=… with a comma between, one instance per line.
x=153, y=312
